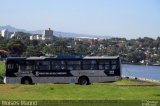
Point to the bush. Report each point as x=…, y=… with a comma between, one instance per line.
x=2, y=66
x=1, y=80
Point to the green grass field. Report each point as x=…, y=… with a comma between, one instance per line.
x=96, y=91
x=1, y=68
x=121, y=90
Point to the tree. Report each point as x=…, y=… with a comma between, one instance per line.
x=21, y=35
x=15, y=47
x=59, y=47
x=2, y=43
x=93, y=50
x=81, y=49
x=136, y=56
x=35, y=42
x=33, y=51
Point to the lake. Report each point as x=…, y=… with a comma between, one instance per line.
x=141, y=71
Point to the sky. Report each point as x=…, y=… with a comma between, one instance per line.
x=119, y=18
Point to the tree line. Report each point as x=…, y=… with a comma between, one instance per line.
x=140, y=51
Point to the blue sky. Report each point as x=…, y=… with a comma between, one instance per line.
x=121, y=18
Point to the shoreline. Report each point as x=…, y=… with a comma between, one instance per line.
x=141, y=64
x=139, y=79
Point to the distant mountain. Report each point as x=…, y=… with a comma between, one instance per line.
x=36, y=32
x=11, y=28
x=75, y=35
x=56, y=33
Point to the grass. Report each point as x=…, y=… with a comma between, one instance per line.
x=96, y=91
x=2, y=68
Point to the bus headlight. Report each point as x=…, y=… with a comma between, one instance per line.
x=4, y=80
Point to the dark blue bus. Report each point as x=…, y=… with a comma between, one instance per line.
x=62, y=69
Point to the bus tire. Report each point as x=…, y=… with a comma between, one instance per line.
x=83, y=80
x=26, y=80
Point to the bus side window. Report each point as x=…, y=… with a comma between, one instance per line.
x=93, y=65
x=114, y=64
x=63, y=65
x=29, y=65
x=43, y=65
x=101, y=66
x=73, y=64
x=104, y=65
x=89, y=64
x=58, y=65
x=22, y=65
x=26, y=65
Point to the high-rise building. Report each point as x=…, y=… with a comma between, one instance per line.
x=5, y=34
x=47, y=34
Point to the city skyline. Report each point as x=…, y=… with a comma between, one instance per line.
x=125, y=18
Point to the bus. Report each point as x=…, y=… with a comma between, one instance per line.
x=62, y=69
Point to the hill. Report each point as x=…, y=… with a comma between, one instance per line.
x=56, y=33
x=11, y=28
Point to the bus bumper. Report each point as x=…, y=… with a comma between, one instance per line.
x=11, y=80
x=117, y=78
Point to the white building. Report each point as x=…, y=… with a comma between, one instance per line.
x=47, y=34
x=12, y=35
x=35, y=37
x=5, y=34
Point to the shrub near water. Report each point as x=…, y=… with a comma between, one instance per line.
x=2, y=66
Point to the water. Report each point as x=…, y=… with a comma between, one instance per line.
x=141, y=71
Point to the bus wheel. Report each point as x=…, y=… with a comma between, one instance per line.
x=83, y=81
x=26, y=80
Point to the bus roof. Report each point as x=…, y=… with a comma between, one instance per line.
x=101, y=57
x=36, y=58
x=16, y=58
x=61, y=58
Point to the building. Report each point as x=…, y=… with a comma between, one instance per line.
x=12, y=35
x=36, y=37
x=5, y=33
x=47, y=34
